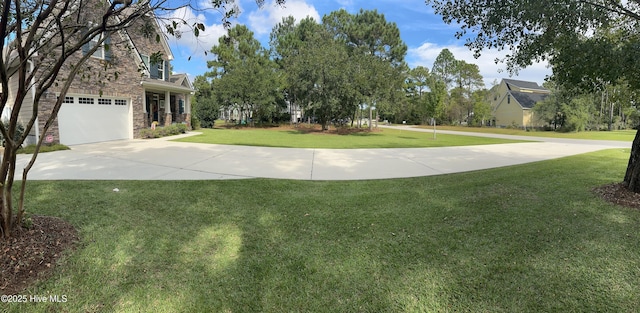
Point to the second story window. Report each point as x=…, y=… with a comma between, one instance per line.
x=161, y=70
x=154, y=70
x=147, y=69
x=103, y=51
x=94, y=42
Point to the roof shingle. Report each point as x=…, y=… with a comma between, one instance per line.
x=526, y=99
x=523, y=84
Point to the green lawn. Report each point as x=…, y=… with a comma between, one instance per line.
x=528, y=238
x=385, y=138
x=43, y=149
x=618, y=135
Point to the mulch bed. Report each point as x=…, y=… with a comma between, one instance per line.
x=306, y=129
x=617, y=194
x=30, y=254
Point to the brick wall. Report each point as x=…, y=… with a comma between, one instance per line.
x=97, y=77
x=144, y=44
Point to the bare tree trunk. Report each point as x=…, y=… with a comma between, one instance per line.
x=290, y=113
x=9, y=162
x=6, y=216
x=601, y=107
x=355, y=114
x=324, y=124
x=611, y=116
x=632, y=176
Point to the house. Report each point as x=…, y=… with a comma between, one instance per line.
x=110, y=108
x=512, y=103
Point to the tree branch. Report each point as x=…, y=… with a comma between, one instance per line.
x=617, y=8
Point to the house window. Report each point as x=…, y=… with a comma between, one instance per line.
x=121, y=102
x=153, y=70
x=100, y=52
x=67, y=100
x=102, y=101
x=161, y=70
x=82, y=100
x=145, y=60
x=509, y=99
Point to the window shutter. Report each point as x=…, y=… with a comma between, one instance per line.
x=107, y=48
x=86, y=47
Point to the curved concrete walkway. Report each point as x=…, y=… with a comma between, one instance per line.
x=160, y=159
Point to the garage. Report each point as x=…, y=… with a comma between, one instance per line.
x=89, y=119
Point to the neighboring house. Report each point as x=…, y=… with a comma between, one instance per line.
x=229, y=113
x=97, y=110
x=512, y=103
x=232, y=113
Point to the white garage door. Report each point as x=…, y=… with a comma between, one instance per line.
x=88, y=119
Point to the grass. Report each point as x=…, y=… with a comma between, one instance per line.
x=528, y=238
x=617, y=135
x=43, y=149
x=291, y=138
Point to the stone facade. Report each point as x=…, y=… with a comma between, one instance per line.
x=98, y=78
x=121, y=76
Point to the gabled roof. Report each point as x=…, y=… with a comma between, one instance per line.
x=527, y=99
x=522, y=84
x=165, y=85
x=181, y=79
x=158, y=29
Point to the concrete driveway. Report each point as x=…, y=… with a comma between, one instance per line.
x=160, y=159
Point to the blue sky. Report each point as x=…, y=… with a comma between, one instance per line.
x=424, y=33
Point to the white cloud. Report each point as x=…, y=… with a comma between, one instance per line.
x=426, y=54
x=208, y=5
x=345, y=3
x=204, y=4
x=263, y=20
x=195, y=45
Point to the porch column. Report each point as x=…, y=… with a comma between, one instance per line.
x=187, y=109
x=167, y=108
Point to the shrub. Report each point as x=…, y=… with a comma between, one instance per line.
x=171, y=130
x=164, y=131
x=195, y=122
x=149, y=133
x=513, y=125
x=19, y=132
x=182, y=128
